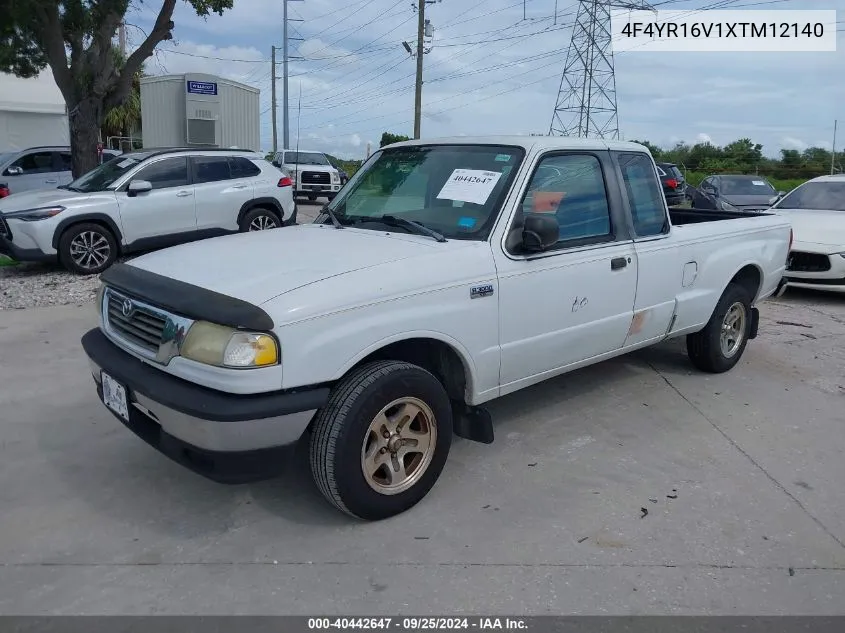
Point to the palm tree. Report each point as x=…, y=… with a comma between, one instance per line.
x=126, y=118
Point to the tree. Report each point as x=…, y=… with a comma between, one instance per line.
x=656, y=152
x=75, y=39
x=388, y=137
x=123, y=119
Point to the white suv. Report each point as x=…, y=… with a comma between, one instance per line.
x=145, y=200
x=312, y=173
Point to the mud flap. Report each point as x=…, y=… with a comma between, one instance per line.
x=755, y=323
x=472, y=423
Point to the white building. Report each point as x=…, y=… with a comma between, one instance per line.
x=32, y=112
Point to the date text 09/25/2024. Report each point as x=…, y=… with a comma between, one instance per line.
x=417, y=623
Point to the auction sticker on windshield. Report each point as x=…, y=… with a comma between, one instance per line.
x=469, y=185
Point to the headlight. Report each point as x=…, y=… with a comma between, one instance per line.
x=31, y=215
x=222, y=346
x=335, y=178
x=727, y=206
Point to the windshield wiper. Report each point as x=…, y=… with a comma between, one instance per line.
x=337, y=223
x=412, y=226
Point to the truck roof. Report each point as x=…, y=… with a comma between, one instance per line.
x=529, y=142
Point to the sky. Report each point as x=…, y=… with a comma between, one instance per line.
x=495, y=68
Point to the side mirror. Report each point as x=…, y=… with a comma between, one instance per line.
x=540, y=232
x=14, y=171
x=139, y=186
x=781, y=194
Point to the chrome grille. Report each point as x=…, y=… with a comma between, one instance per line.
x=316, y=177
x=141, y=327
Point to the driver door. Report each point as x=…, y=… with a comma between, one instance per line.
x=164, y=216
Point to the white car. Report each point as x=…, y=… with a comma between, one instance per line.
x=816, y=211
x=312, y=173
x=447, y=273
x=145, y=200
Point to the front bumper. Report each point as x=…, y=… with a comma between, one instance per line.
x=830, y=277
x=225, y=437
x=8, y=247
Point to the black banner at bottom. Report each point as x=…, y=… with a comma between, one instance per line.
x=416, y=624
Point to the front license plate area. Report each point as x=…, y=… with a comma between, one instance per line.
x=114, y=396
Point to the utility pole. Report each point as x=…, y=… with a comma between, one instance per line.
x=285, y=58
x=423, y=31
x=418, y=94
x=833, y=149
x=121, y=37
x=273, y=106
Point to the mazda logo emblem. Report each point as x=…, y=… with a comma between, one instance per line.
x=127, y=307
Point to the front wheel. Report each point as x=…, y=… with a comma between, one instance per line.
x=720, y=345
x=87, y=248
x=380, y=443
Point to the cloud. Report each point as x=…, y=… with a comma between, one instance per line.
x=790, y=142
x=703, y=138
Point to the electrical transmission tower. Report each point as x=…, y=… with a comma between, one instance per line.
x=586, y=100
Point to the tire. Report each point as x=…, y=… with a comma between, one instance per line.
x=87, y=248
x=342, y=432
x=705, y=349
x=259, y=219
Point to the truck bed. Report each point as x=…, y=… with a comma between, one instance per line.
x=685, y=215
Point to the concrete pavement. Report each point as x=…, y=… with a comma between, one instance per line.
x=637, y=486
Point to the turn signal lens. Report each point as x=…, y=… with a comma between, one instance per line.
x=250, y=350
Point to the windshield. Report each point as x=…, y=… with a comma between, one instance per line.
x=746, y=187
x=822, y=196
x=305, y=158
x=102, y=177
x=455, y=190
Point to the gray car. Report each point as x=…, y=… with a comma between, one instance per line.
x=735, y=193
x=37, y=168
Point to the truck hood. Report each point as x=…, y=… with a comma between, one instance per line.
x=41, y=198
x=257, y=267
x=816, y=227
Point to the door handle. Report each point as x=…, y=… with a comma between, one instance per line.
x=239, y=187
x=51, y=182
x=182, y=194
x=618, y=262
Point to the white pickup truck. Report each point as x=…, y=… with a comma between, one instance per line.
x=445, y=274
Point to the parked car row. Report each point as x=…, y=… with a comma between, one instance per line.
x=145, y=200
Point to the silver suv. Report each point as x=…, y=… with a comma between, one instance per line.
x=144, y=200
x=39, y=168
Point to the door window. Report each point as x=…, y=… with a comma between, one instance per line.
x=243, y=167
x=35, y=163
x=571, y=188
x=645, y=196
x=210, y=169
x=65, y=161
x=170, y=172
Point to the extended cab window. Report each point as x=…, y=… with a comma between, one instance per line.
x=571, y=188
x=456, y=190
x=645, y=195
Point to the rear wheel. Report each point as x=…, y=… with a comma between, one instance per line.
x=720, y=345
x=381, y=442
x=87, y=248
x=259, y=220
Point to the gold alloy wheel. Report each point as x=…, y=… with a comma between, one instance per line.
x=399, y=446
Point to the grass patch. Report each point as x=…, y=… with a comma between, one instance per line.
x=7, y=261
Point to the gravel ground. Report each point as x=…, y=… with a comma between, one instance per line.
x=28, y=285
